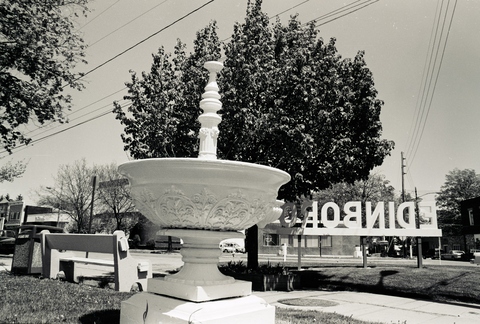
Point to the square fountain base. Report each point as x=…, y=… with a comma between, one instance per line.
x=202, y=293
x=151, y=308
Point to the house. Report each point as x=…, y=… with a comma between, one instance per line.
x=14, y=214
x=470, y=211
x=11, y=213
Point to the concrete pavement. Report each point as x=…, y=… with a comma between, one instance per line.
x=377, y=308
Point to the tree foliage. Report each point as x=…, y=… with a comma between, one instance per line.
x=459, y=185
x=289, y=101
x=10, y=171
x=39, y=48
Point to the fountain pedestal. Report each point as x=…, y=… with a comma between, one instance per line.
x=199, y=279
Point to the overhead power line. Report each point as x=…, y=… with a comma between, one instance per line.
x=333, y=12
x=126, y=24
x=340, y=10
x=435, y=59
x=46, y=130
x=35, y=141
x=101, y=13
x=287, y=10
x=144, y=40
x=415, y=117
x=43, y=127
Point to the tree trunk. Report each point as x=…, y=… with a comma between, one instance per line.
x=252, y=247
x=169, y=244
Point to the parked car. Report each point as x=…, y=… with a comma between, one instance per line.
x=7, y=241
x=453, y=255
x=240, y=249
x=228, y=247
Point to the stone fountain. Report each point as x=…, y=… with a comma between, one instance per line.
x=202, y=201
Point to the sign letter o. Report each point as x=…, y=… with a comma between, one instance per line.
x=336, y=215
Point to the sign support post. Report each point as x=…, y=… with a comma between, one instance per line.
x=299, y=241
x=363, y=242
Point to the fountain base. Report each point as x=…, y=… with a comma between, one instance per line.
x=150, y=308
x=199, y=292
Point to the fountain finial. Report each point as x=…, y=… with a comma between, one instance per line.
x=209, y=120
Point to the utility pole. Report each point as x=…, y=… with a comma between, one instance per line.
x=419, y=239
x=403, y=197
x=94, y=184
x=59, y=204
x=91, y=205
x=403, y=178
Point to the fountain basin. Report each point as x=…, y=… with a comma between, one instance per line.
x=201, y=194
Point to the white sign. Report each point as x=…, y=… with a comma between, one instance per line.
x=113, y=183
x=382, y=219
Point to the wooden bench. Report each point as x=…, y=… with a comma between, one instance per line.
x=127, y=270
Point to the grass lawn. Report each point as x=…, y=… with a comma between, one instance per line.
x=435, y=283
x=27, y=299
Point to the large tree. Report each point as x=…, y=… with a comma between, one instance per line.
x=289, y=101
x=39, y=48
x=459, y=185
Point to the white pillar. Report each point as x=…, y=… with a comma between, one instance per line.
x=209, y=120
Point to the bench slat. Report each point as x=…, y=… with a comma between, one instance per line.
x=89, y=261
x=81, y=242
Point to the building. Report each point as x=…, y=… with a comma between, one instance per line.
x=36, y=215
x=14, y=214
x=470, y=211
x=11, y=214
x=271, y=243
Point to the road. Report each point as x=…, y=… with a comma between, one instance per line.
x=164, y=262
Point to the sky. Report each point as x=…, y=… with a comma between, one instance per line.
x=429, y=82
